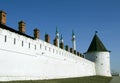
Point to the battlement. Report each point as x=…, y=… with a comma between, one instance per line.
x=28, y=44
x=21, y=31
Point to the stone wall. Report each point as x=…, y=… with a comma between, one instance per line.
x=22, y=58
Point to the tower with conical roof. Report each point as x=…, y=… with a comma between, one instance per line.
x=73, y=41
x=98, y=53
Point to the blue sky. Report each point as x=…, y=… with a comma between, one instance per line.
x=82, y=16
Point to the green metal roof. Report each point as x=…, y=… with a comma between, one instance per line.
x=73, y=33
x=96, y=45
x=56, y=29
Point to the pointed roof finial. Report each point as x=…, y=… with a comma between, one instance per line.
x=56, y=29
x=96, y=32
x=61, y=39
x=73, y=33
x=45, y=33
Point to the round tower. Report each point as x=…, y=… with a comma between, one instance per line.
x=73, y=41
x=100, y=56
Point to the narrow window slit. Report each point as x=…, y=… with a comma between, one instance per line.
x=5, y=38
x=14, y=41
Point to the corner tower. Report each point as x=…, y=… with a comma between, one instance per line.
x=100, y=55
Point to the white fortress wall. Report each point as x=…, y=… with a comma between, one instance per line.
x=37, y=59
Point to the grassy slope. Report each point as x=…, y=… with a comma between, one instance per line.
x=92, y=79
x=115, y=79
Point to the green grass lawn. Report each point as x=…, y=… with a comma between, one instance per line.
x=91, y=79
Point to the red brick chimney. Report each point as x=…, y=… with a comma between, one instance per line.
x=75, y=52
x=21, y=26
x=36, y=33
x=55, y=42
x=3, y=17
x=47, y=38
x=62, y=45
x=66, y=48
x=71, y=50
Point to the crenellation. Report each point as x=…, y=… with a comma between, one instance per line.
x=28, y=43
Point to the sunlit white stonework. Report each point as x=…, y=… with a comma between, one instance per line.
x=24, y=58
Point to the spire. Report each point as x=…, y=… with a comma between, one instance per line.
x=61, y=39
x=96, y=32
x=57, y=33
x=73, y=41
x=73, y=33
x=61, y=43
x=73, y=36
x=56, y=29
x=96, y=44
x=57, y=37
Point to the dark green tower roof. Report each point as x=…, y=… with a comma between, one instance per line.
x=96, y=45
